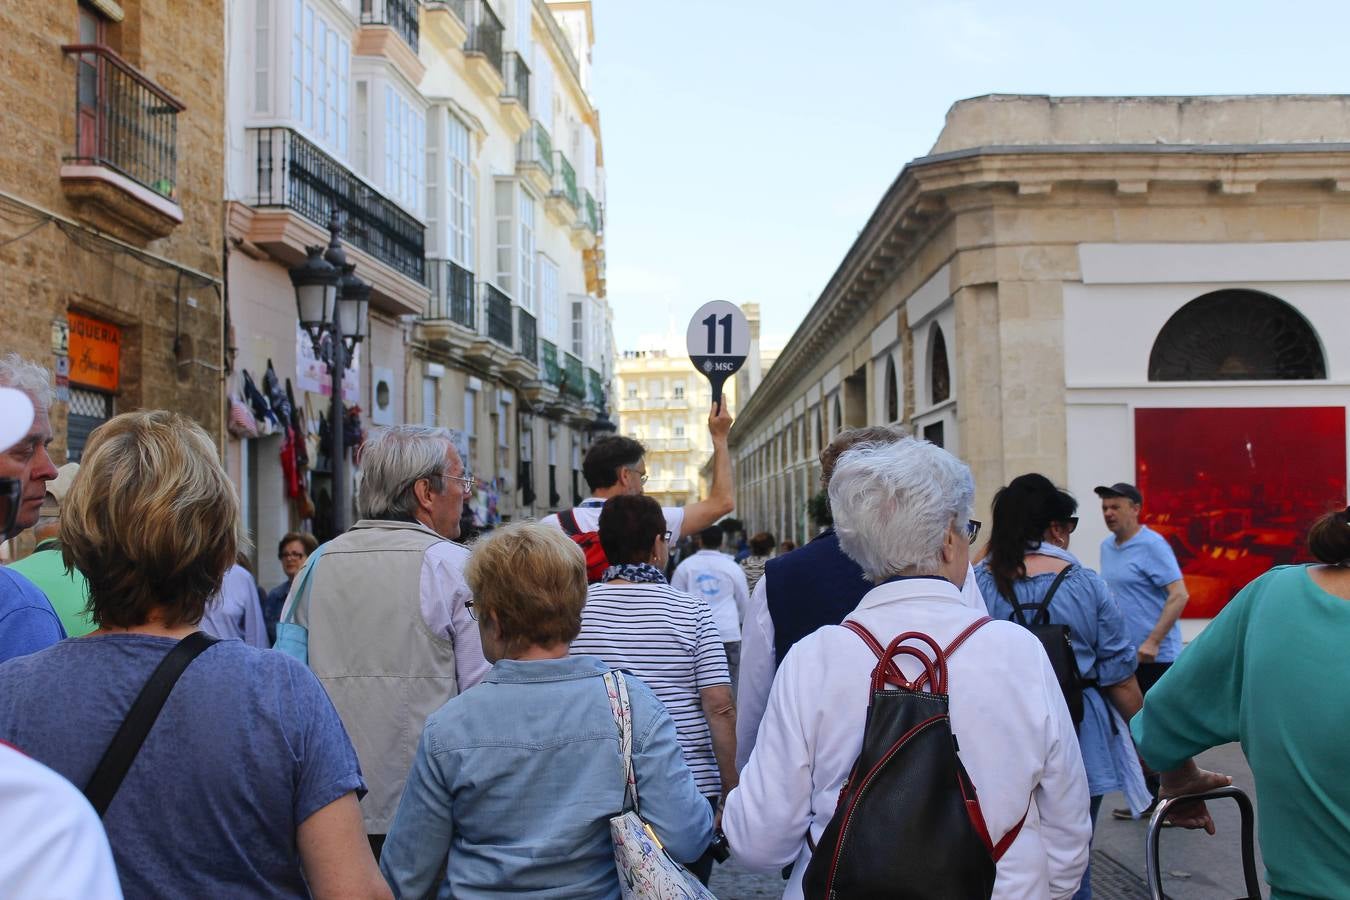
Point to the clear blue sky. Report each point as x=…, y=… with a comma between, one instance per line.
x=747, y=141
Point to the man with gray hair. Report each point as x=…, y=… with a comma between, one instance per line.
x=801, y=591
x=27, y=621
x=901, y=512
x=390, y=634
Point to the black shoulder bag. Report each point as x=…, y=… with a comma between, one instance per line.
x=121, y=753
x=1058, y=645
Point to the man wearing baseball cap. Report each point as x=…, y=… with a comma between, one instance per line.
x=1142, y=572
x=67, y=591
x=27, y=621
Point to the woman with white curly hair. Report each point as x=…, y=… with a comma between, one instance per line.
x=902, y=513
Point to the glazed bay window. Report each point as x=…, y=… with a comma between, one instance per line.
x=404, y=150
x=549, y=297
x=463, y=186
x=320, y=73
x=525, y=256
x=514, y=208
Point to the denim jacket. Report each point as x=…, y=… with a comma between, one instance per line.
x=516, y=781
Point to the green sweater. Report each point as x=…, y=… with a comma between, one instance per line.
x=68, y=593
x=1272, y=671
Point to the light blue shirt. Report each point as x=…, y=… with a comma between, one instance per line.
x=27, y=621
x=1138, y=573
x=1101, y=648
x=517, y=779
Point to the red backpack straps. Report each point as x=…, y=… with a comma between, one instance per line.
x=893, y=675
x=953, y=647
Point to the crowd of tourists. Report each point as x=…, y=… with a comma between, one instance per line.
x=551, y=711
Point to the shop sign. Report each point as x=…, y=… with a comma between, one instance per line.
x=312, y=374
x=95, y=352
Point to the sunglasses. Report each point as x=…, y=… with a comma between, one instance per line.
x=972, y=530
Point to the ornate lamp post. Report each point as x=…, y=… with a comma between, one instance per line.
x=333, y=305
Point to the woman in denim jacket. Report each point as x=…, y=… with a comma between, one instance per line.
x=515, y=780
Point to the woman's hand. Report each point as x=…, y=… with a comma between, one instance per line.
x=1191, y=779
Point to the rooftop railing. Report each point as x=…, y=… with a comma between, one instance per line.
x=123, y=120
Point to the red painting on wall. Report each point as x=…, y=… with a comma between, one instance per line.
x=1234, y=490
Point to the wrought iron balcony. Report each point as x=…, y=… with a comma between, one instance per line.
x=548, y=363
x=517, y=76
x=400, y=15
x=123, y=120
x=574, y=384
x=590, y=211
x=565, y=179
x=597, y=388
x=451, y=293
x=536, y=147
x=527, y=332
x=293, y=173
x=485, y=33
x=497, y=315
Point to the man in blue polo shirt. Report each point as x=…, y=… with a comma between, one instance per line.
x=1142, y=572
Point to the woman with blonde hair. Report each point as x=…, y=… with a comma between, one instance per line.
x=515, y=781
x=245, y=783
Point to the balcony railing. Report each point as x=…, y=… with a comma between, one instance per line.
x=497, y=310
x=485, y=33
x=573, y=385
x=517, y=76
x=123, y=120
x=455, y=6
x=564, y=178
x=536, y=147
x=597, y=388
x=295, y=174
x=527, y=332
x=400, y=15
x=591, y=211
x=548, y=362
x=451, y=292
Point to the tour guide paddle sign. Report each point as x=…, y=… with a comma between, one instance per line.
x=719, y=341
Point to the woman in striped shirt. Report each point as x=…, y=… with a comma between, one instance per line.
x=636, y=622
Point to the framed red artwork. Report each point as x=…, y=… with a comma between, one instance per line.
x=1234, y=489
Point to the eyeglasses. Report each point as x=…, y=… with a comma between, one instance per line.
x=1072, y=522
x=468, y=482
x=293, y=555
x=468, y=604
x=972, y=530
x=642, y=476
x=665, y=535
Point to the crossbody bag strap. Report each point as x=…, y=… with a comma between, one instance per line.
x=568, y=520
x=617, y=690
x=126, y=743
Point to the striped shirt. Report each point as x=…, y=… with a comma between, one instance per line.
x=667, y=639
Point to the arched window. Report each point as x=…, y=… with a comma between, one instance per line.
x=939, y=374
x=1236, y=335
x=892, y=392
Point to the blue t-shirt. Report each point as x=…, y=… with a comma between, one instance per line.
x=246, y=748
x=27, y=621
x=1138, y=573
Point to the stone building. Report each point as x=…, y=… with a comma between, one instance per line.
x=459, y=145
x=110, y=212
x=1100, y=289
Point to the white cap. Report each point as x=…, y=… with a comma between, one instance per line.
x=16, y=416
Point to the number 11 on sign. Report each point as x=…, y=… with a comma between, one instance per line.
x=718, y=359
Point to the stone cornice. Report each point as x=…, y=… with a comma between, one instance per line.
x=915, y=208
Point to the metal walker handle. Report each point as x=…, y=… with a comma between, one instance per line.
x=1248, y=839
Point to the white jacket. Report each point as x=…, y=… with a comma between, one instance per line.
x=1017, y=741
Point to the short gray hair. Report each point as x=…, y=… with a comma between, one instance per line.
x=392, y=461
x=29, y=377
x=894, y=504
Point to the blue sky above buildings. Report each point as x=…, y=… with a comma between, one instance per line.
x=747, y=141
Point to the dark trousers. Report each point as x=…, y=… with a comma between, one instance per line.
x=1148, y=674
x=701, y=868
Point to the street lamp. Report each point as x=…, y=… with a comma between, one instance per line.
x=333, y=303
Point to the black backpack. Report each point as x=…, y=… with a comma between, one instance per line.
x=908, y=824
x=1058, y=645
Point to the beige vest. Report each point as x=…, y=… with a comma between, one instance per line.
x=382, y=667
